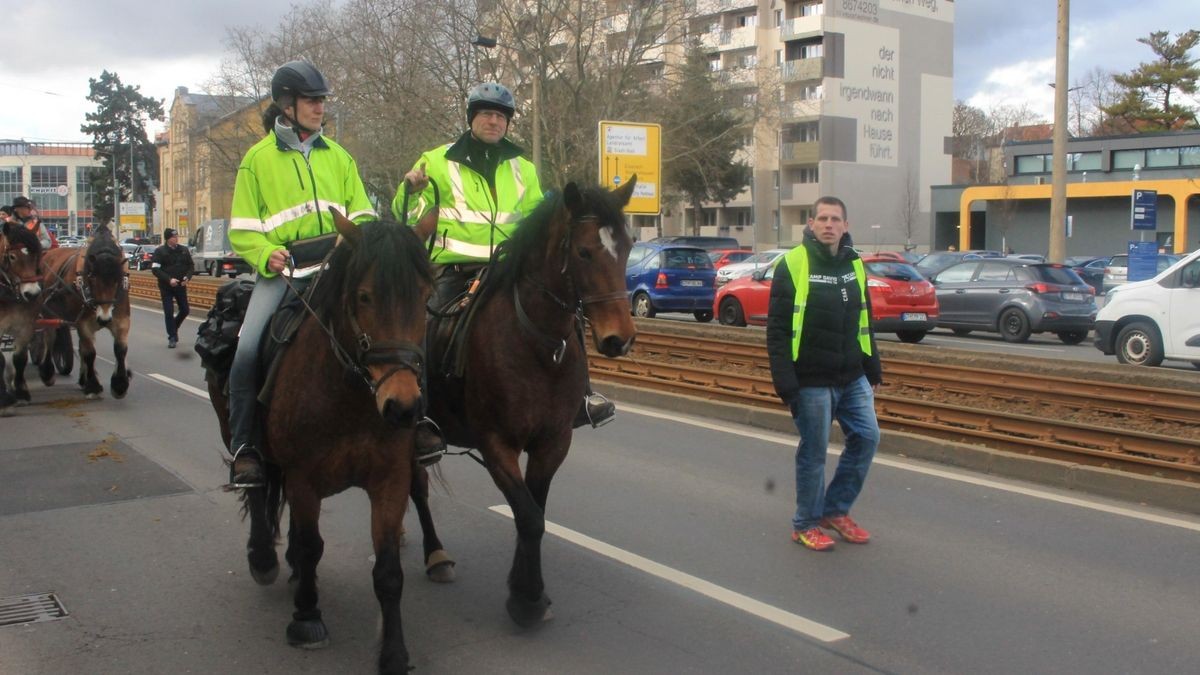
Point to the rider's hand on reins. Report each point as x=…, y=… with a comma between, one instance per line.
x=416, y=180
x=278, y=260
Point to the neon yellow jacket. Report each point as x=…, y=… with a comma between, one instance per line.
x=470, y=221
x=281, y=197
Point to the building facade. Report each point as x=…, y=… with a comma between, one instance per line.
x=198, y=156
x=1102, y=174
x=57, y=177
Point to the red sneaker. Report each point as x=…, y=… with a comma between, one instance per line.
x=845, y=526
x=812, y=538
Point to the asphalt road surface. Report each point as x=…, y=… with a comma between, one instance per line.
x=668, y=552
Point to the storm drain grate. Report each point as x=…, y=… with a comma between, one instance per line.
x=35, y=608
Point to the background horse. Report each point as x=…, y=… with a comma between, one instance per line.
x=20, y=284
x=343, y=410
x=91, y=297
x=525, y=366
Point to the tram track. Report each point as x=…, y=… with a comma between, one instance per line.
x=738, y=372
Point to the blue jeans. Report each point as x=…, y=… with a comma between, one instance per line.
x=170, y=296
x=243, y=376
x=813, y=411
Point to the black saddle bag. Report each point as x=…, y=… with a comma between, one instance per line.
x=216, y=341
x=309, y=252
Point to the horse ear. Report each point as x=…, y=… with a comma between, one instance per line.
x=572, y=198
x=346, y=227
x=624, y=192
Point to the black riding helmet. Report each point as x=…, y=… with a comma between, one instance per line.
x=298, y=78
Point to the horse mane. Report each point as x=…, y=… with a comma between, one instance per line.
x=19, y=236
x=529, y=239
x=400, y=263
x=104, y=255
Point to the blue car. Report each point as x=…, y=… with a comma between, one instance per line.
x=670, y=278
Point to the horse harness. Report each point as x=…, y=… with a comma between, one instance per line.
x=82, y=285
x=10, y=282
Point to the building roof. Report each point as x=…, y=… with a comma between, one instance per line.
x=211, y=106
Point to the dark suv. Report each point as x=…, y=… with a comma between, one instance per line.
x=1015, y=298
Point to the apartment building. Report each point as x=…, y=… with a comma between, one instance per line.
x=199, y=153
x=56, y=176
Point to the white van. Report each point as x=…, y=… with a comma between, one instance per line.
x=211, y=252
x=1146, y=321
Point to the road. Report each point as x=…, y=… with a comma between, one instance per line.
x=668, y=552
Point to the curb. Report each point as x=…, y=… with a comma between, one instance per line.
x=1146, y=490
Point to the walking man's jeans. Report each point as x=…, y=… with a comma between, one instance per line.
x=813, y=411
x=170, y=296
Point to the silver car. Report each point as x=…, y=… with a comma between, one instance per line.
x=1015, y=298
x=1116, y=272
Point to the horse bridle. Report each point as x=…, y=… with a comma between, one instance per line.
x=559, y=345
x=401, y=354
x=12, y=282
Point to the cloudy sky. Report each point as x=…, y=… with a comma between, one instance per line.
x=1002, y=56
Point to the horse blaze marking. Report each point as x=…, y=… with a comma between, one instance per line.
x=610, y=245
x=747, y=604
x=36, y=608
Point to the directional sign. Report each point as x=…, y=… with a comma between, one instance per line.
x=1143, y=213
x=628, y=148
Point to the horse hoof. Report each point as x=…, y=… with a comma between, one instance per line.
x=21, y=403
x=92, y=396
x=265, y=577
x=308, y=634
x=440, y=567
x=527, y=614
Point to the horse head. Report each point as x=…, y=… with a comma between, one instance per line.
x=21, y=261
x=105, y=275
x=597, y=248
x=374, y=295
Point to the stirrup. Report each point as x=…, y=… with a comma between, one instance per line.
x=429, y=443
x=597, y=411
x=249, y=477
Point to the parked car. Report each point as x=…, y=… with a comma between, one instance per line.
x=749, y=265
x=937, y=261
x=727, y=256
x=131, y=253
x=902, y=302
x=70, y=241
x=1090, y=269
x=1116, y=272
x=1144, y=322
x=1015, y=298
x=707, y=243
x=143, y=257
x=1028, y=257
x=670, y=278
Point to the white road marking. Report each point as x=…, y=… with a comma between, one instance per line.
x=733, y=599
x=184, y=387
x=791, y=441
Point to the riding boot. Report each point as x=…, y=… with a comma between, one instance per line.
x=245, y=470
x=596, y=410
x=430, y=444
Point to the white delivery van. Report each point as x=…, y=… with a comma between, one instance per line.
x=211, y=252
x=1146, y=321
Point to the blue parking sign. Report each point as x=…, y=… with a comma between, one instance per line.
x=1143, y=214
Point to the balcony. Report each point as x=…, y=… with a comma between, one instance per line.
x=737, y=38
x=803, y=109
x=799, y=194
x=802, y=27
x=798, y=70
x=800, y=153
x=707, y=7
x=735, y=77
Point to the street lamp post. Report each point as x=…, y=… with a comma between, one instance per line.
x=489, y=43
x=1058, y=192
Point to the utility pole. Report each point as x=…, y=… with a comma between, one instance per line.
x=1058, y=189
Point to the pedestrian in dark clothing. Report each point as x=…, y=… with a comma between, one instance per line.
x=172, y=264
x=825, y=366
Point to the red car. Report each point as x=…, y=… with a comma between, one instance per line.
x=902, y=301
x=728, y=256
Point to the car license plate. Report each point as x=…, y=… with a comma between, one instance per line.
x=1076, y=297
x=912, y=316
x=691, y=282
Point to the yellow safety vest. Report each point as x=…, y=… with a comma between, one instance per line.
x=797, y=262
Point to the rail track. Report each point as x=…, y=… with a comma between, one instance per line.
x=955, y=402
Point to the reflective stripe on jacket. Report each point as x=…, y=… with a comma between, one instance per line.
x=281, y=196
x=797, y=264
x=471, y=222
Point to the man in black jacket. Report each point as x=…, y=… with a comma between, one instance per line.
x=172, y=264
x=825, y=366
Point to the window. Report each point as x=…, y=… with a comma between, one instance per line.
x=994, y=272
x=714, y=63
x=1189, y=156
x=1031, y=164
x=778, y=18
x=747, y=21
x=85, y=196
x=42, y=181
x=775, y=176
x=812, y=9
x=10, y=183
x=750, y=100
x=812, y=51
x=1126, y=159
x=1162, y=157
x=1083, y=161
x=957, y=273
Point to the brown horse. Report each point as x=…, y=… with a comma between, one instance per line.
x=524, y=371
x=89, y=289
x=20, y=284
x=345, y=401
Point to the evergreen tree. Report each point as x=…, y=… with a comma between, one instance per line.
x=702, y=134
x=118, y=131
x=1152, y=90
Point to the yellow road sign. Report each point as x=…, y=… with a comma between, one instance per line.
x=628, y=148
